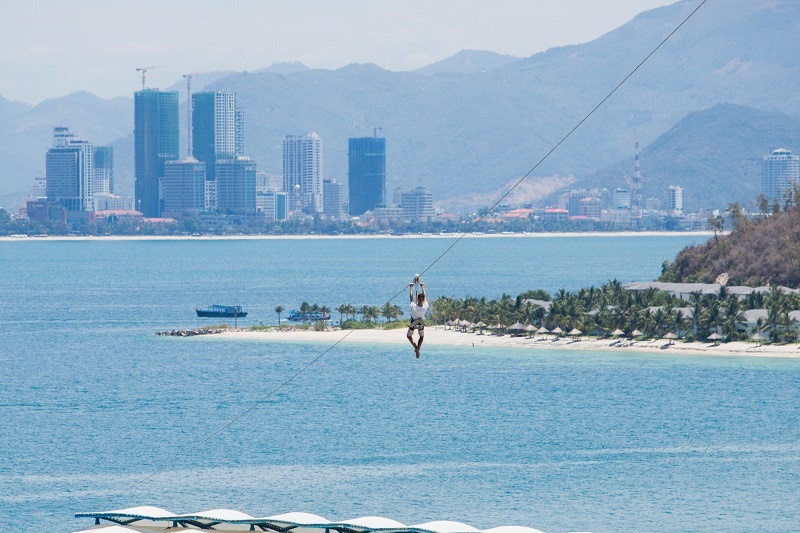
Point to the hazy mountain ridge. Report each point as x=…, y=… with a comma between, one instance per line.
x=463, y=133
x=467, y=62
x=723, y=146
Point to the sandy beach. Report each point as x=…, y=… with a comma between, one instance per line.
x=438, y=336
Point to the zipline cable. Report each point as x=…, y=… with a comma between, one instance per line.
x=267, y=396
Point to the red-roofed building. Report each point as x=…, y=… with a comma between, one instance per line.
x=555, y=215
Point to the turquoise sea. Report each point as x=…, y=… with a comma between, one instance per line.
x=97, y=413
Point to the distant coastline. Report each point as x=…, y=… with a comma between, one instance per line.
x=602, y=234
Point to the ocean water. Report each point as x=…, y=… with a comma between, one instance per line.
x=97, y=413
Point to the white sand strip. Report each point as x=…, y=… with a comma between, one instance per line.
x=437, y=336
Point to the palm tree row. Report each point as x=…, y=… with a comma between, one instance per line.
x=602, y=310
x=369, y=313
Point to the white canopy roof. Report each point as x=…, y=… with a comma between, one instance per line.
x=138, y=519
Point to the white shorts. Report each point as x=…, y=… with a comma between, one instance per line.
x=416, y=324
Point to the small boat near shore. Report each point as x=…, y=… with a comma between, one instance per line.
x=222, y=311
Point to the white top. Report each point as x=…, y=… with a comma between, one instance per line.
x=418, y=311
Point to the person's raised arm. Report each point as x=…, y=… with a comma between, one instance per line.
x=411, y=292
x=424, y=296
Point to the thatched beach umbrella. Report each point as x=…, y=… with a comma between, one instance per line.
x=671, y=336
x=636, y=333
x=542, y=330
x=556, y=331
x=530, y=329
x=480, y=325
x=517, y=326
x=758, y=337
x=575, y=332
x=617, y=332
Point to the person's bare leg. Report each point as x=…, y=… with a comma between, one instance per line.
x=419, y=345
x=414, y=344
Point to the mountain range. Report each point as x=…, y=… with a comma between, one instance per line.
x=467, y=126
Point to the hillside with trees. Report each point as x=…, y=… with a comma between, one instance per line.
x=760, y=251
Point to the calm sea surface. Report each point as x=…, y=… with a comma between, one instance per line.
x=97, y=413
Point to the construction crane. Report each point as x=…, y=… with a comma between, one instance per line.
x=144, y=70
x=189, y=110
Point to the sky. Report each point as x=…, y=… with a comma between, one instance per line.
x=50, y=48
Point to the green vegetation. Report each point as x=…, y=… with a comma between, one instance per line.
x=760, y=251
x=600, y=311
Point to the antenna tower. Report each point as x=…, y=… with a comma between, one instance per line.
x=636, y=189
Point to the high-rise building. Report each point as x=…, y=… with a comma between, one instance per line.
x=621, y=199
x=271, y=205
x=156, y=139
x=103, y=170
x=236, y=186
x=239, y=141
x=70, y=171
x=302, y=172
x=780, y=173
x=417, y=204
x=184, y=187
x=214, y=128
x=675, y=200
x=332, y=199
x=366, y=173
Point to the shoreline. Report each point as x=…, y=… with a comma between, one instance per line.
x=437, y=336
x=547, y=235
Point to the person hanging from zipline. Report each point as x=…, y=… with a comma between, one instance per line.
x=418, y=310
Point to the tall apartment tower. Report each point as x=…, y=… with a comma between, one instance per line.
x=675, y=200
x=184, y=187
x=70, y=171
x=780, y=173
x=332, y=199
x=302, y=172
x=366, y=173
x=103, y=170
x=236, y=186
x=214, y=132
x=417, y=204
x=155, y=134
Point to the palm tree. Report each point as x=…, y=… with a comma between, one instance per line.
x=342, y=310
x=279, y=310
x=305, y=308
x=325, y=310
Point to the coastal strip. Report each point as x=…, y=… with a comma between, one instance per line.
x=547, y=235
x=438, y=336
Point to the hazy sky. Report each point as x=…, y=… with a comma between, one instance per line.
x=49, y=48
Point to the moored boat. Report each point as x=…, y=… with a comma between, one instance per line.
x=222, y=311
